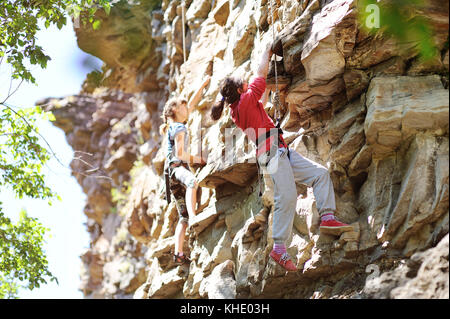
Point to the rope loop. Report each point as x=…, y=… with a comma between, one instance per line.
x=277, y=103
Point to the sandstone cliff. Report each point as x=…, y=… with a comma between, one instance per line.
x=362, y=105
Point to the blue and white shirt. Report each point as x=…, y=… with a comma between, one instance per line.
x=174, y=129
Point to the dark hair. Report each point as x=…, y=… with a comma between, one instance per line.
x=230, y=94
x=169, y=108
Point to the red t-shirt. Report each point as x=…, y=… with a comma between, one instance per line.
x=248, y=113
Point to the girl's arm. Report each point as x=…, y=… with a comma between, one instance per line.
x=263, y=68
x=181, y=152
x=196, y=98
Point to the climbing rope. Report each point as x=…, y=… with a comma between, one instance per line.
x=184, y=32
x=276, y=97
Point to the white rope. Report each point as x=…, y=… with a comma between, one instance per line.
x=184, y=33
x=277, y=93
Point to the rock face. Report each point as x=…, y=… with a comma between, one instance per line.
x=422, y=276
x=359, y=104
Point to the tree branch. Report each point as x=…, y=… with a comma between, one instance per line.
x=9, y=91
x=53, y=152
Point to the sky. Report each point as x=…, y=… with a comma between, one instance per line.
x=68, y=237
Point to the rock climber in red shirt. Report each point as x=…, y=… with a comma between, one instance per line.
x=284, y=165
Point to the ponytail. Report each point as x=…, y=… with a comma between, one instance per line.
x=230, y=94
x=217, y=109
x=163, y=128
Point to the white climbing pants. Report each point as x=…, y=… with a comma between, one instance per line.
x=285, y=172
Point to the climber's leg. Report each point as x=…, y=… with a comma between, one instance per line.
x=191, y=200
x=186, y=177
x=180, y=232
x=317, y=176
x=179, y=194
x=285, y=195
x=285, y=198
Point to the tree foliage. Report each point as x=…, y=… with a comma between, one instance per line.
x=19, y=23
x=22, y=156
x=23, y=257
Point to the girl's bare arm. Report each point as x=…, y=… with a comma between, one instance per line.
x=263, y=68
x=197, y=95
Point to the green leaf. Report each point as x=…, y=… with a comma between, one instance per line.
x=107, y=8
x=96, y=24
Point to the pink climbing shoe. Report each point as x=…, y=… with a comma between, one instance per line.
x=283, y=260
x=334, y=227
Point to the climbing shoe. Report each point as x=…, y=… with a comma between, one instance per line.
x=284, y=260
x=334, y=227
x=180, y=259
